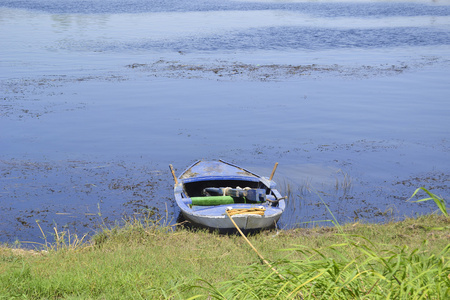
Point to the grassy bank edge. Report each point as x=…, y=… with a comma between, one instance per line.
x=144, y=260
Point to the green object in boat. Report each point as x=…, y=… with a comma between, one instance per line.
x=212, y=200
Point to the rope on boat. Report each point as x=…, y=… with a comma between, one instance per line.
x=253, y=247
x=277, y=200
x=246, y=211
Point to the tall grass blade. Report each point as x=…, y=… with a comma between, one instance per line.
x=440, y=202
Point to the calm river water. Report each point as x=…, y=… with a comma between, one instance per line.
x=97, y=98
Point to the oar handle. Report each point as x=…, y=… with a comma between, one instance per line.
x=273, y=171
x=173, y=174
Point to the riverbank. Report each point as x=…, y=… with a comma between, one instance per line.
x=144, y=260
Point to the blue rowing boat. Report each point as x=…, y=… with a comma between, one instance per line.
x=209, y=193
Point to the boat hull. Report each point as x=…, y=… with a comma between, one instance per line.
x=220, y=220
x=206, y=174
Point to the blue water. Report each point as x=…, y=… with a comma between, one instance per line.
x=98, y=97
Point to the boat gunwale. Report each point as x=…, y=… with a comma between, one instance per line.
x=218, y=178
x=250, y=177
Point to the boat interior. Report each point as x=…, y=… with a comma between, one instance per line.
x=196, y=189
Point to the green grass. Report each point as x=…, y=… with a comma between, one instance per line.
x=356, y=269
x=141, y=260
x=440, y=202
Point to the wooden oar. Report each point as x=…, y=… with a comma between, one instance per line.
x=273, y=171
x=173, y=174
